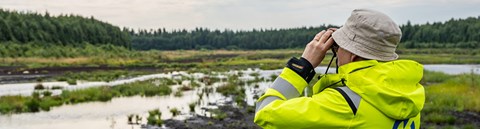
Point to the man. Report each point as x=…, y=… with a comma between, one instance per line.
x=371, y=89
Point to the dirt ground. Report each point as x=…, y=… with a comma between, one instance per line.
x=20, y=74
x=462, y=120
x=237, y=118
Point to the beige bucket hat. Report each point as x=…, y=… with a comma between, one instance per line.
x=369, y=34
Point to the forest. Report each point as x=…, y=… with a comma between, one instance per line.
x=454, y=33
x=63, y=30
x=33, y=29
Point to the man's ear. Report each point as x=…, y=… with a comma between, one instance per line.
x=353, y=58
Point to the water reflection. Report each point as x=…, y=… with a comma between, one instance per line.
x=113, y=114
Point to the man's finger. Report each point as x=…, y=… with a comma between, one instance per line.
x=333, y=29
x=325, y=36
x=319, y=35
x=329, y=43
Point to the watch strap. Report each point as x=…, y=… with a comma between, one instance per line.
x=302, y=67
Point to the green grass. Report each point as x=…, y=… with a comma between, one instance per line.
x=47, y=102
x=432, y=77
x=14, y=104
x=144, y=88
x=36, y=102
x=219, y=115
x=175, y=112
x=460, y=93
x=231, y=89
x=191, y=106
x=178, y=93
x=220, y=60
x=450, y=95
x=100, y=75
x=436, y=117
x=155, y=117
x=234, y=88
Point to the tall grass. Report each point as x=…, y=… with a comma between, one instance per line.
x=460, y=93
x=100, y=75
x=219, y=59
x=432, y=77
x=450, y=95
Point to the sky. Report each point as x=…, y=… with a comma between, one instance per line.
x=245, y=14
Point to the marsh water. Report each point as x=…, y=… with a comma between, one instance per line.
x=113, y=114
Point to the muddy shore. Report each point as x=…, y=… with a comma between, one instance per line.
x=22, y=75
x=237, y=118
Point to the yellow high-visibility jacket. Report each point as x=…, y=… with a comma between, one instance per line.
x=364, y=94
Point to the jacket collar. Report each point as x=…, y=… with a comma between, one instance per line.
x=353, y=66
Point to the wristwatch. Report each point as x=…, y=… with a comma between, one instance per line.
x=302, y=67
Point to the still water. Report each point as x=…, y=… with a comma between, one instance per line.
x=113, y=114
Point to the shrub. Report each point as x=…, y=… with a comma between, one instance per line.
x=33, y=105
x=191, y=106
x=218, y=114
x=47, y=93
x=178, y=94
x=154, y=117
x=72, y=82
x=39, y=86
x=174, y=112
x=48, y=102
x=130, y=119
x=184, y=88
x=56, y=87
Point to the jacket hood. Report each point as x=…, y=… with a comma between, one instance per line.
x=391, y=87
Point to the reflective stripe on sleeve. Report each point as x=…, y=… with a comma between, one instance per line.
x=285, y=88
x=265, y=102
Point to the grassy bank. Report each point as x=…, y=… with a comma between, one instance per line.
x=100, y=75
x=218, y=59
x=178, y=60
x=44, y=101
x=452, y=101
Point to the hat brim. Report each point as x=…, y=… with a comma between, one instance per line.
x=346, y=41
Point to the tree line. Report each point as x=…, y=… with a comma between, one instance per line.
x=455, y=33
x=72, y=30
x=203, y=38
x=33, y=27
